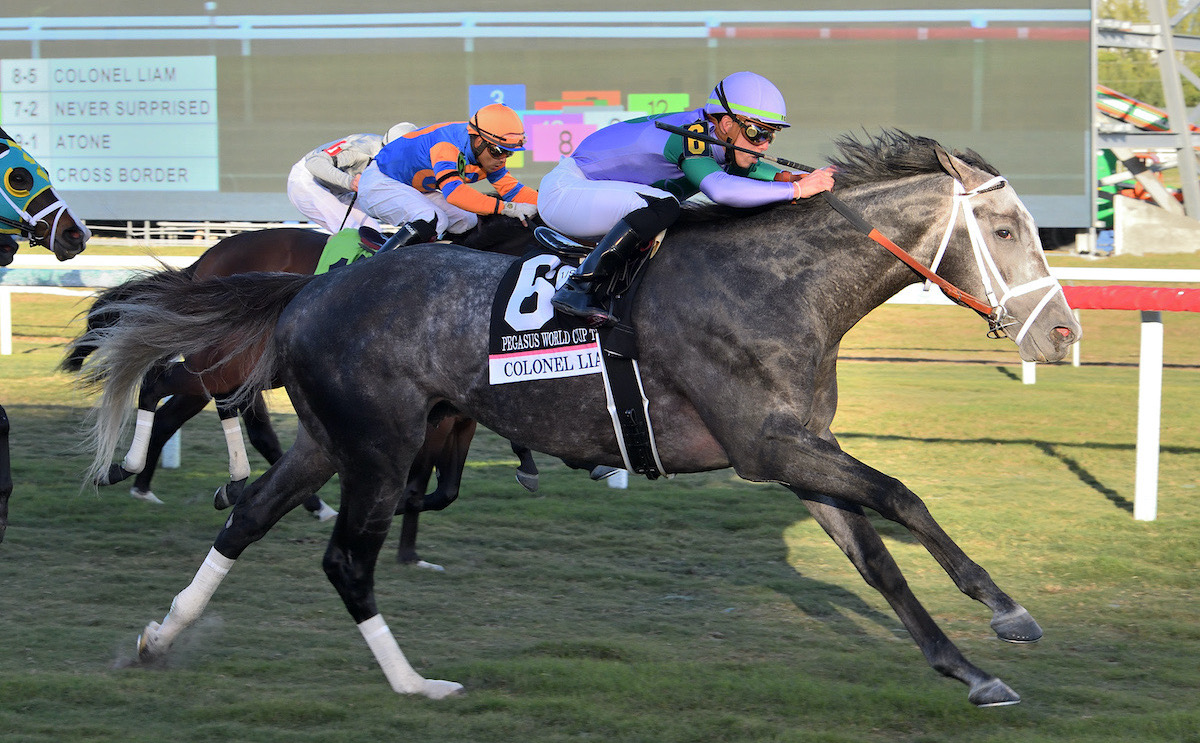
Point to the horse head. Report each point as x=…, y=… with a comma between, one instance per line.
x=998, y=257
x=30, y=208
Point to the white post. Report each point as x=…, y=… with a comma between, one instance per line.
x=5, y=322
x=1145, y=493
x=619, y=479
x=170, y=452
x=1075, y=345
x=1029, y=372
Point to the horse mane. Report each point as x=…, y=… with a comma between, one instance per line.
x=862, y=159
x=892, y=154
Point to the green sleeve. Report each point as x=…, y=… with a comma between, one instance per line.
x=762, y=171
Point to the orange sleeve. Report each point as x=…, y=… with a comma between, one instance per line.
x=506, y=185
x=465, y=197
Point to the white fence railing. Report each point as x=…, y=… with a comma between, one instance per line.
x=468, y=26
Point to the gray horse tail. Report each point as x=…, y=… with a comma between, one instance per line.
x=102, y=315
x=170, y=315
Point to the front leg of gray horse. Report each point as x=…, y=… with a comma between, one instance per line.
x=1010, y=621
x=853, y=532
x=842, y=477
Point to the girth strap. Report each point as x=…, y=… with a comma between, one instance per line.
x=630, y=412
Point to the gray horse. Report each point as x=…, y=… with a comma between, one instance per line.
x=739, y=320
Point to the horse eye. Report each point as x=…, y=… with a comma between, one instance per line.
x=18, y=180
x=1004, y=234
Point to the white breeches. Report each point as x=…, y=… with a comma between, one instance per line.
x=391, y=201
x=582, y=208
x=317, y=203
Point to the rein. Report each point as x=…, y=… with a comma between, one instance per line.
x=953, y=292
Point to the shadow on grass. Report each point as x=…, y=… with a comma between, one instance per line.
x=1053, y=449
x=834, y=606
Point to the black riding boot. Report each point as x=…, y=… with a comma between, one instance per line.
x=581, y=294
x=414, y=233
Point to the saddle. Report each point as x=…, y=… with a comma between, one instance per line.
x=620, y=339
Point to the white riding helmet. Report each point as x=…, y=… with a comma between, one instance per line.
x=399, y=130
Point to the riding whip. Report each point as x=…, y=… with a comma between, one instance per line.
x=348, y=210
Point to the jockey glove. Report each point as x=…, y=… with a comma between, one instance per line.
x=518, y=210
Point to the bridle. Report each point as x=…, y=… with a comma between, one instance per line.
x=27, y=224
x=991, y=307
x=999, y=319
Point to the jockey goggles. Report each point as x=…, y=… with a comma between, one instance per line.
x=756, y=133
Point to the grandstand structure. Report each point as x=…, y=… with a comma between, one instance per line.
x=1134, y=127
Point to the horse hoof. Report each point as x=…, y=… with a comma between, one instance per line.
x=528, y=481
x=228, y=494
x=603, y=472
x=429, y=566
x=1017, y=626
x=116, y=473
x=436, y=689
x=148, y=649
x=993, y=693
x=145, y=495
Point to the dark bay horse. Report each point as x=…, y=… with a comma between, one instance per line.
x=29, y=208
x=748, y=309
x=289, y=250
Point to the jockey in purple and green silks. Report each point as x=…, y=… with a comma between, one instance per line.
x=625, y=181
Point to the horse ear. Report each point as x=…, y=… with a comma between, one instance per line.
x=968, y=176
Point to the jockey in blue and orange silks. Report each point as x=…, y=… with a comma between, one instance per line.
x=625, y=181
x=419, y=181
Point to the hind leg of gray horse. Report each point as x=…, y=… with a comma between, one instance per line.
x=858, y=538
x=369, y=501
x=300, y=473
x=444, y=450
x=263, y=438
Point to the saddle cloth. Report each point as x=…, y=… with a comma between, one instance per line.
x=529, y=341
x=347, y=246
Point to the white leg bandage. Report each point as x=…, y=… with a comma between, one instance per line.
x=239, y=464
x=400, y=674
x=190, y=602
x=135, y=460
